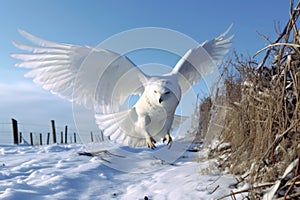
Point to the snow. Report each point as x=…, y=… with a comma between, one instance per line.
x=59, y=172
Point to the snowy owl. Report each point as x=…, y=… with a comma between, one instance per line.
x=102, y=80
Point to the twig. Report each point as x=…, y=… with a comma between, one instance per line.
x=232, y=196
x=264, y=37
x=245, y=190
x=215, y=189
x=276, y=44
x=291, y=186
x=277, y=140
x=297, y=166
x=286, y=30
x=288, y=184
x=290, y=196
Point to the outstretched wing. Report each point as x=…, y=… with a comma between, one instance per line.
x=201, y=60
x=88, y=76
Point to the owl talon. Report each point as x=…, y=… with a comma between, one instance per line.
x=150, y=142
x=168, y=138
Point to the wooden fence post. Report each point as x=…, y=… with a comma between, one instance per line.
x=41, y=139
x=48, y=138
x=75, y=138
x=66, y=134
x=92, y=138
x=102, y=137
x=53, y=131
x=98, y=138
x=61, y=137
x=31, y=139
x=21, y=138
x=15, y=131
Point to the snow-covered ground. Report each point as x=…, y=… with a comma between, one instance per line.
x=59, y=172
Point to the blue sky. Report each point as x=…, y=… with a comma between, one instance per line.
x=90, y=22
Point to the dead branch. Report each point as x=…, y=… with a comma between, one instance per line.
x=291, y=196
x=286, y=30
x=246, y=190
x=277, y=44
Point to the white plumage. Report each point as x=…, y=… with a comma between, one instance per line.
x=102, y=80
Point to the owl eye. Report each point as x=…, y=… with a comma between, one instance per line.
x=155, y=91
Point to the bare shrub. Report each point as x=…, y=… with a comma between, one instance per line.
x=262, y=121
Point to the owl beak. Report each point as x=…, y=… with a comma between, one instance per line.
x=160, y=100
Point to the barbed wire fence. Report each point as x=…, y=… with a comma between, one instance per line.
x=15, y=132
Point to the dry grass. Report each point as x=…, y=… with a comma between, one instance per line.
x=262, y=109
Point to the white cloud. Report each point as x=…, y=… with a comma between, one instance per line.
x=27, y=91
